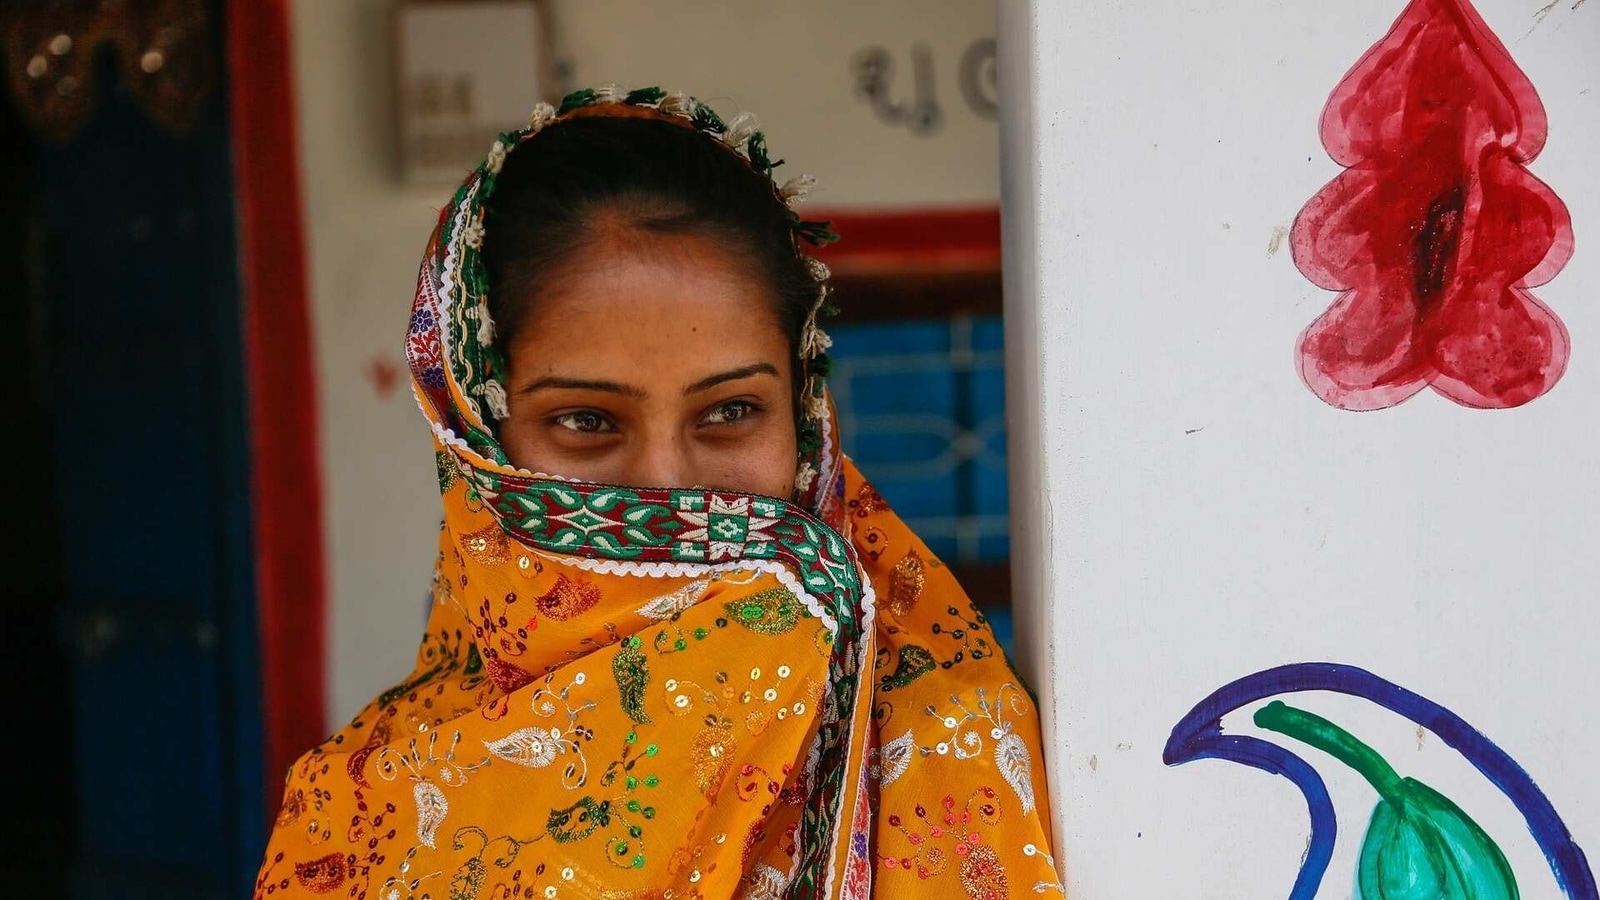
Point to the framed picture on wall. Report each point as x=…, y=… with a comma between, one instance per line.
x=466, y=71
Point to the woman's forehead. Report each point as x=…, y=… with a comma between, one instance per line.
x=678, y=279
x=664, y=317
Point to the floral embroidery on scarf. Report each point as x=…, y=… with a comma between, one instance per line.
x=570, y=597
x=775, y=611
x=974, y=727
x=632, y=673
x=905, y=583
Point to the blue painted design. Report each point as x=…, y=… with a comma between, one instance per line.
x=1199, y=736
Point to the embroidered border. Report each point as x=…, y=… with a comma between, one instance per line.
x=671, y=525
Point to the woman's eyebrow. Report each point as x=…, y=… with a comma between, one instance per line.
x=583, y=384
x=709, y=382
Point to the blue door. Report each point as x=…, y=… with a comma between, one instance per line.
x=922, y=411
x=141, y=440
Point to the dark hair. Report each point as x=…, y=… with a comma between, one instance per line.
x=555, y=189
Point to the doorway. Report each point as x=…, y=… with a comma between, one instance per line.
x=133, y=618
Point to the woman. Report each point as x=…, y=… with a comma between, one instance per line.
x=644, y=674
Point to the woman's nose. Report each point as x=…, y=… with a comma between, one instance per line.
x=662, y=462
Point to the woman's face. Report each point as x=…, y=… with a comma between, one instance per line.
x=657, y=361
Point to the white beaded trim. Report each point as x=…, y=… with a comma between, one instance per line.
x=781, y=571
x=543, y=114
x=497, y=158
x=495, y=396
x=741, y=128
x=796, y=189
x=678, y=103
x=804, y=477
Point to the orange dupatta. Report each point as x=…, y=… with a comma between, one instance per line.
x=632, y=693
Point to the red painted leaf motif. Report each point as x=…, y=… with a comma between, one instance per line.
x=1436, y=229
x=384, y=375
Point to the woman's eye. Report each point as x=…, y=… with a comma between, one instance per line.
x=730, y=412
x=585, y=422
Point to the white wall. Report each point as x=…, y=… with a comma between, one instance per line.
x=787, y=62
x=790, y=64
x=1188, y=512
x=366, y=236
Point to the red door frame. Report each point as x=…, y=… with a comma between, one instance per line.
x=924, y=241
x=280, y=377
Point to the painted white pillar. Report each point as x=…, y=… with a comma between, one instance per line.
x=1027, y=417
x=1189, y=510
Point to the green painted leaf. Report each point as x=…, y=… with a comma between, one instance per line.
x=1419, y=845
x=1423, y=847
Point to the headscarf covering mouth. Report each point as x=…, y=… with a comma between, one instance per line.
x=642, y=693
x=458, y=372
